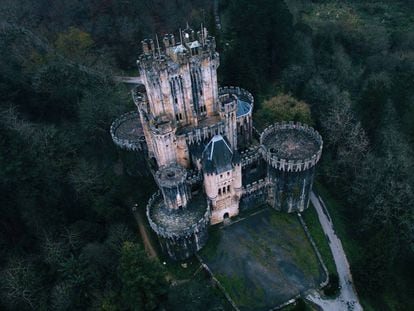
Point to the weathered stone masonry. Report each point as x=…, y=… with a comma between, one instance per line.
x=198, y=140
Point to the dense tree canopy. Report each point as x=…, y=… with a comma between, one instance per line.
x=66, y=240
x=282, y=108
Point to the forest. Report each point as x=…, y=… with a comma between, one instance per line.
x=67, y=238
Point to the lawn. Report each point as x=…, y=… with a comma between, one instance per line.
x=262, y=260
x=312, y=221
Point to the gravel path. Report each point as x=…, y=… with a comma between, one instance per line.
x=347, y=299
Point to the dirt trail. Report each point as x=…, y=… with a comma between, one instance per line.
x=149, y=249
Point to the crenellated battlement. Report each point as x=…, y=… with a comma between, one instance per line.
x=191, y=47
x=255, y=186
x=127, y=133
x=239, y=93
x=171, y=176
x=197, y=135
x=300, y=139
x=176, y=224
x=250, y=155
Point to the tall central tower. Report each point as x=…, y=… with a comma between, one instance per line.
x=181, y=91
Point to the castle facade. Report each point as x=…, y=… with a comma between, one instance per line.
x=199, y=143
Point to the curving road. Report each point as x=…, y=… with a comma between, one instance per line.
x=347, y=299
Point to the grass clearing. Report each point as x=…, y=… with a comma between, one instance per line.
x=262, y=260
x=312, y=221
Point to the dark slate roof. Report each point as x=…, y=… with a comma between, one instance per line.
x=217, y=156
x=243, y=107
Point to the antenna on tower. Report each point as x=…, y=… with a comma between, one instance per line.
x=158, y=46
x=202, y=34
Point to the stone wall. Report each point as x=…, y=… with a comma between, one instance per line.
x=290, y=191
x=254, y=194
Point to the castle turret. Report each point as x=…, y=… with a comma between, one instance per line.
x=228, y=108
x=291, y=151
x=222, y=179
x=171, y=180
x=244, y=122
x=164, y=142
x=179, y=220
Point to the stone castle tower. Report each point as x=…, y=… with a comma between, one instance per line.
x=198, y=139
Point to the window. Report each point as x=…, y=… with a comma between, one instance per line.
x=224, y=190
x=228, y=173
x=228, y=188
x=219, y=192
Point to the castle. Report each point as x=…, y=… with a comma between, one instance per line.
x=199, y=143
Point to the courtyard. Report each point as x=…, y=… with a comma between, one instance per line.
x=263, y=260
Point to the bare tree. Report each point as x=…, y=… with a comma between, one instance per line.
x=19, y=284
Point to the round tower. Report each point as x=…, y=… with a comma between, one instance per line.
x=163, y=140
x=171, y=180
x=228, y=108
x=181, y=232
x=179, y=220
x=244, y=122
x=291, y=152
x=128, y=134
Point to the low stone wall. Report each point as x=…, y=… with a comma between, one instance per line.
x=315, y=248
x=255, y=186
x=253, y=195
